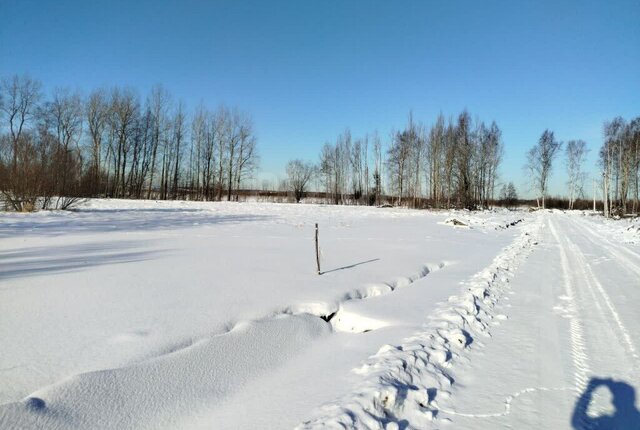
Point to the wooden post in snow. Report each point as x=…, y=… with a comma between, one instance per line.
x=317, y=252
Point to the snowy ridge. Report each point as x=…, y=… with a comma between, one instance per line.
x=579, y=354
x=401, y=383
x=344, y=321
x=462, y=219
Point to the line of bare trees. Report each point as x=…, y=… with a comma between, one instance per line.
x=454, y=163
x=619, y=159
x=620, y=163
x=55, y=150
x=348, y=172
x=539, y=166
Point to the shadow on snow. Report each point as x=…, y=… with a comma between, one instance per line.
x=114, y=220
x=36, y=261
x=625, y=415
x=351, y=266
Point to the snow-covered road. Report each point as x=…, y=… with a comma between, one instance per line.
x=187, y=315
x=567, y=356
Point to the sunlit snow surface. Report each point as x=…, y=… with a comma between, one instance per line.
x=126, y=314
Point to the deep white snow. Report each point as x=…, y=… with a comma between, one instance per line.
x=127, y=314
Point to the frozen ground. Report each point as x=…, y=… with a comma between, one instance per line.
x=183, y=315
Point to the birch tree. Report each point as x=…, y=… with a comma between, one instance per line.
x=540, y=162
x=576, y=151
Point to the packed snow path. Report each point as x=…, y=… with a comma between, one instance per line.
x=480, y=328
x=566, y=354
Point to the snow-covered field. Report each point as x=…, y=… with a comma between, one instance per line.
x=128, y=314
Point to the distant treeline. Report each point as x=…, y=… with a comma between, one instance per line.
x=453, y=163
x=620, y=163
x=57, y=148
x=112, y=144
x=508, y=201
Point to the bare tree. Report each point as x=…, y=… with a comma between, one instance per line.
x=449, y=161
x=508, y=195
x=435, y=146
x=540, y=161
x=576, y=152
x=159, y=102
x=222, y=135
x=97, y=111
x=178, y=124
x=42, y=155
x=20, y=97
x=124, y=114
x=620, y=161
x=418, y=155
x=377, y=170
x=67, y=112
x=299, y=173
x=356, y=161
x=634, y=139
x=464, y=157
x=399, y=154
x=233, y=145
x=247, y=159
x=201, y=155
x=20, y=176
x=609, y=159
x=334, y=167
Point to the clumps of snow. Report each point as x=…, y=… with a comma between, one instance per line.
x=401, y=383
x=455, y=222
x=626, y=230
x=468, y=220
x=631, y=234
x=513, y=223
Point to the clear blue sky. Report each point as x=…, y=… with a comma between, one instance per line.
x=305, y=70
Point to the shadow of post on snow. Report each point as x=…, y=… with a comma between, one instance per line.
x=351, y=266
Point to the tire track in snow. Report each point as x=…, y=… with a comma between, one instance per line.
x=601, y=235
x=614, y=249
x=580, y=358
x=592, y=281
x=608, y=315
x=578, y=348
